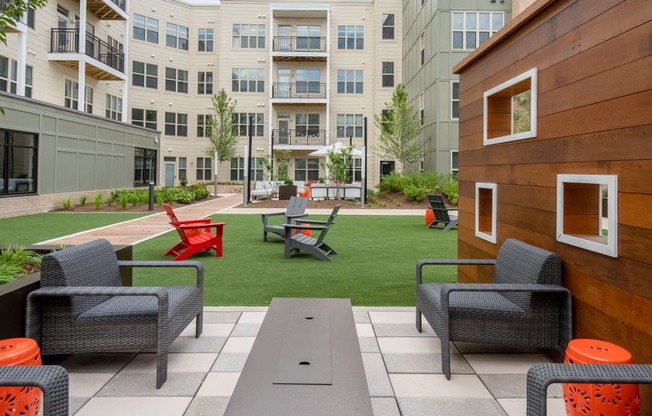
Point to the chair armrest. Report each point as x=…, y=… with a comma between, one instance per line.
x=195, y=226
x=291, y=216
x=51, y=379
x=306, y=227
x=541, y=375
x=198, y=221
x=186, y=263
x=272, y=214
x=448, y=262
x=317, y=222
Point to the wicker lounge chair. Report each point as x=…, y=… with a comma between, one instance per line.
x=525, y=306
x=297, y=241
x=440, y=210
x=296, y=209
x=540, y=376
x=51, y=379
x=82, y=307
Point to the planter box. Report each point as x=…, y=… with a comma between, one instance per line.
x=13, y=295
x=285, y=192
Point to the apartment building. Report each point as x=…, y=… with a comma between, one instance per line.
x=436, y=36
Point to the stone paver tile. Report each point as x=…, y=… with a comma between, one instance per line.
x=96, y=363
x=377, y=380
x=390, y=345
x=209, y=330
x=135, y=406
x=230, y=362
x=238, y=344
x=368, y=344
x=218, y=385
x=207, y=406
x=202, y=344
x=504, y=363
x=136, y=384
x=380, y=317
x=517, y=407
x=361, y=317
x=428, y=406
x=246, y=329
x=252, y=317
x=436, y=385
x=227, y=317
x=385, y=406
x=424, y=363
x=364, y=330
x=87, y=384
x=177, y=362
x=403, y=330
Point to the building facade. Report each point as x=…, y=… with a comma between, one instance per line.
x=436, y=36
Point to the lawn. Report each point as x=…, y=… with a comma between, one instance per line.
x=31, y=229
x=375, y=265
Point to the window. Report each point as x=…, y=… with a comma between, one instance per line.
x=422, y=49
x=350, y=81
x=145, y=75
x=388, y=26
x=203, y=125
x=146, y=28
x=308, y=38
x=587, y=212
x=29, y=79
x=350, y=37
x=510, y=109
x=176, y=80
x=241, y=124
x=255, y=172
x=31, y=18
x=455, y=100
x=247, y=80
x=205, y=40
x=9, y=76
x=455, y=161
x=114, y=43
x=349, y=125
x=248, y=36
x=71, y=94
x=308, y=82
x=388, y=74
x=144, y=166
x=306, y=125
x=205, y=83
x=486, y=203
x=144, y=118
x=88, y=100
x=422, y=108
x=176, y=36
x=357, y=170
x=471, y=29
x=183, y=172
x=113, y=107
x=18, y=163
x=306, y=169
x=204, y=168
x=176, y=124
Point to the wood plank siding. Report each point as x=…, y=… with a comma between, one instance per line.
x=593, y=63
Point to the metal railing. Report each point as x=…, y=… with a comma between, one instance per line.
x=299, y=44
x=300, y=137
x=67, y=41
x=120, y=4
x=310, y=90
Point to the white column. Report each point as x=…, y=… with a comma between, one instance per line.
x=21, y=60
x=81, y=48
x=125, y=51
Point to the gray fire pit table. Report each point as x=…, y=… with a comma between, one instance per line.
x=305, y=361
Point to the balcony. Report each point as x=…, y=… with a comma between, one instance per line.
x=299, y=90
x=65, y=50
x=299, y=49
x=108, y=9
x=299, y=137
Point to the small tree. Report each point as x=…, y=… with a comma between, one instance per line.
x=221, y=134
x=400, y=130
x=337, y=164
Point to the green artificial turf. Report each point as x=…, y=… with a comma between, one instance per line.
x=32, y=229
x=375, y=265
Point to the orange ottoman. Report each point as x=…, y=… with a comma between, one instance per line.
x=20, y=400
x=430, y=217
x=600, y=399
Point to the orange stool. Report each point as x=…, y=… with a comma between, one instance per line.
x=20, y=400
x=430, y=217
x=600, y=399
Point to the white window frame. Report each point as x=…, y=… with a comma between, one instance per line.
x=207, y=36
x=505, y=86
x=455, y=100
x=610, y=245
x=175, y=35
x=494, y=211
x=204, y=86
x=457, y=169
x=422, y=49
x=473, y=32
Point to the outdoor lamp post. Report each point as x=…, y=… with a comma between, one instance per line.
x=251, y=136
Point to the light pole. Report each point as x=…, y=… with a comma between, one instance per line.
x=251, y=136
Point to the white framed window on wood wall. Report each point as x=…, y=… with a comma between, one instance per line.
x=486, y=207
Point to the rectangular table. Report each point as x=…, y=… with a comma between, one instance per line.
x=305, y=360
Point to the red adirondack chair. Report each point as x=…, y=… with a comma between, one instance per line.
x=195, y=236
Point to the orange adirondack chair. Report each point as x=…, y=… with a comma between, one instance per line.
x=195, y=236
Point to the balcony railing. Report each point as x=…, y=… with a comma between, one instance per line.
x=67, y=41
x=300, y=137
x=299, y=44
x=119, y=3
x=300, y=90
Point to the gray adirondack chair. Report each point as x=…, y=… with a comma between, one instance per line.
x=439, y=208
x=298, y=241
x=296, y=209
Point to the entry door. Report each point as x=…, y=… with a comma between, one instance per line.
x=386, y=167
x=169, y=174
x=284, y=86
x=284, y=38
x=283, y=129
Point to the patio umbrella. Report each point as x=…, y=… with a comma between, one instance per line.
x=336, y=147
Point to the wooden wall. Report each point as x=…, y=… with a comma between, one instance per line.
x=594, y=61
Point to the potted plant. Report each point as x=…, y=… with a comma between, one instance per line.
x=287, y=190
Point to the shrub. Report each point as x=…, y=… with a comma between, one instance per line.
x=13, y=260
x=97, y=201
x=123, y=199
x=82, y=200
x=414, y=193
x=200, y=191
x=183, y=181
x=450, y=189
x=67, y=204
